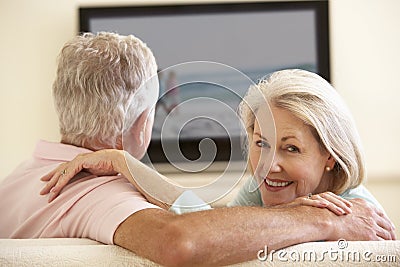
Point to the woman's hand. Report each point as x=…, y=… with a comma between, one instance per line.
x=156, y=188
x=102, y=162
x=328, y=200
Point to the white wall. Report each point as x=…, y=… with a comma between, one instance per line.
x=365, y=41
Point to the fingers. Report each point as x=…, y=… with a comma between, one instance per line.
x=376, y=223
x=45, y=190
x=63, y=178
x=49, y=188
x=386, y=228
x=385, y=231
x=330, y=201
x=385, y=234
x=336, y=202
x=55, y=185
x=58, y=178
x=52, y=179
x=342, y=200
x=393, y=234
x=48, y=176
x=322, y=203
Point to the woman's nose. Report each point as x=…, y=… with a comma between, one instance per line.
x=266, y=160
x=276, y=164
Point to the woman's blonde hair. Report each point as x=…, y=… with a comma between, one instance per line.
x=313, y=100
x=95, y=90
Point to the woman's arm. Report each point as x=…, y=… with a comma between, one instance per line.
x=157, y=188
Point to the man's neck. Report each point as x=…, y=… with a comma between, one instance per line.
x=92, y=145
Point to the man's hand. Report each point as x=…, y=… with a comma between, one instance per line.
x=366, y=222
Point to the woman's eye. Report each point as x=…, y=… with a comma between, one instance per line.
x=261, y=143
x=293, y=149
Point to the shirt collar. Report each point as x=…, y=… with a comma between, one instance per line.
x=57, y=151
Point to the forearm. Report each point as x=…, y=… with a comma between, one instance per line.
x=242, y=231
x=157, y=188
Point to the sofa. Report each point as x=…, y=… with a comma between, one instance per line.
x=85, y=252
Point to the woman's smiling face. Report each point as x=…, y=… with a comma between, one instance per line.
x=299, y=163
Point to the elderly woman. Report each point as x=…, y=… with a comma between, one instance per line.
x=308, y=152
x=317, y=147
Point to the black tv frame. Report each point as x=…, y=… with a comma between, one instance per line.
x=189, y=147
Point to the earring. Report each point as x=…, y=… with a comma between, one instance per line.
x=328, y=169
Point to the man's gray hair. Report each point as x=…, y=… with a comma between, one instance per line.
x=96, y=88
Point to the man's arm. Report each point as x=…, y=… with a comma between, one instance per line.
x=231, y=235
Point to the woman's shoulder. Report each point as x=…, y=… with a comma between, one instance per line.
x=361, y=192
x=248, y=195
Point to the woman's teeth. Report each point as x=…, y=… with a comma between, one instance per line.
x=278, y=184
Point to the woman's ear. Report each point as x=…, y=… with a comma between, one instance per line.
x=330, y=163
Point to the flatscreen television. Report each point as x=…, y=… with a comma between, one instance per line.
x=208, y=55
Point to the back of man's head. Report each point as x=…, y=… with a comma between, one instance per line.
x=96, y=87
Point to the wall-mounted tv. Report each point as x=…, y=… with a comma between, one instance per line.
x=208, y=55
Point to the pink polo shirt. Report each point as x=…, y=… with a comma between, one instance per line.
x=91, y=207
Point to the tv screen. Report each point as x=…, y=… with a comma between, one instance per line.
x=208, y=55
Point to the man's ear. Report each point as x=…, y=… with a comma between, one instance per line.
x=137, y=130
x=136, y=139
